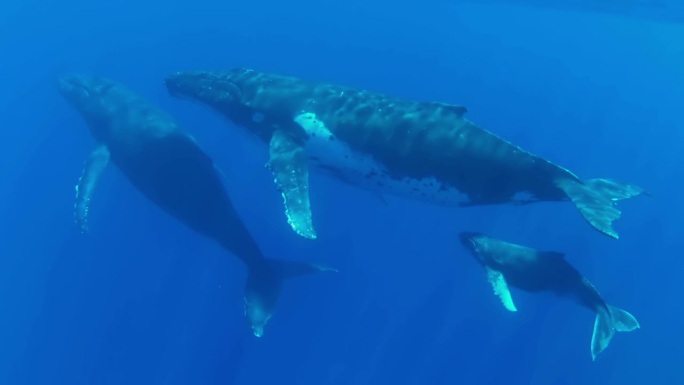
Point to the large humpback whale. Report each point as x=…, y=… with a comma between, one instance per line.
x=425, y=150
x=535, y=271
x=166, y=164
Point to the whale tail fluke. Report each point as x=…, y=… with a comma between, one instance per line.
x=264, y=282
x=605, y=326
x=596, y=199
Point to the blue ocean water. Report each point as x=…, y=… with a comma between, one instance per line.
x=142, y=300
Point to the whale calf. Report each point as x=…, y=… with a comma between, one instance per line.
x=535, y=271
x=166, y=164
x=423, y=150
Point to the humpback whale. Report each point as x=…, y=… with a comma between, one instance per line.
x=167, y=166
x=535, y=271
x=424, y=150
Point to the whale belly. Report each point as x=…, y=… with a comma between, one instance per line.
x=334, y=157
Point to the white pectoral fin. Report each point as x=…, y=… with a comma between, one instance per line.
x=289, y=165
x=500, y=287
x=94, y=165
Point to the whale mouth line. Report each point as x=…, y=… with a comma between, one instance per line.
x=72, y=85
x=83, y=89
x=176, y=93
x=174, y=88
x=469, y=242
x=473, y=245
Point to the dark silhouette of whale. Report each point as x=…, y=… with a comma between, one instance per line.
x=422, y=150
x=535, y=271
x=166, y=164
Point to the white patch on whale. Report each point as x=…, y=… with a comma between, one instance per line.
x=336, y=158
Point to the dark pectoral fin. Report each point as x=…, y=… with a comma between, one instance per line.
x=94, y=165
x=289, y=165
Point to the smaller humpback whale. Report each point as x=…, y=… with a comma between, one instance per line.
x=535, y=271
x=167, y=166
x=423, y=150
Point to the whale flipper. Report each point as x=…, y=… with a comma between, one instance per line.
x=92, y=169
x=596, y=198
x=605, y=326
x=288, y=162
x=263, y=286
x=500, y=287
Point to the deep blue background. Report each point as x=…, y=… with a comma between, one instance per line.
x=142, y=300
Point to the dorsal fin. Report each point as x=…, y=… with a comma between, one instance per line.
x=552, y=254
x=458, y=110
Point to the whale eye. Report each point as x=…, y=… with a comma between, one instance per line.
x=258, y=117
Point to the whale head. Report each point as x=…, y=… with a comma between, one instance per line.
x=85, y=91
x=213, y=88
x=96, y=98
x=475, y=242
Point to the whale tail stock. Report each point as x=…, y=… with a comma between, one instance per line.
x=596, y=199
x=608, y=321
x=263, y=286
